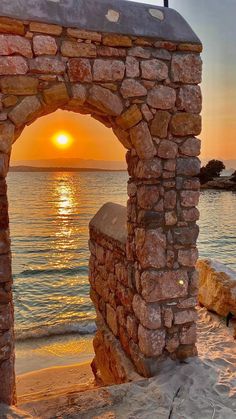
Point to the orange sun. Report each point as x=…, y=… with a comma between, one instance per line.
x=62, y=139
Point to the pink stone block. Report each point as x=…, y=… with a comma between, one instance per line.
x=44, y=45
x=165, y=285
x=13, y=65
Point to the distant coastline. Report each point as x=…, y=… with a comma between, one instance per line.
x=60, y=169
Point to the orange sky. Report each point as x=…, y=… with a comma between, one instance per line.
x=215, y=25
x=91, y=139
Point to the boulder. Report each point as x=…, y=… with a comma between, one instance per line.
x=217, y=287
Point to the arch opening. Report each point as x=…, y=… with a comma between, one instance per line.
x=54, y=316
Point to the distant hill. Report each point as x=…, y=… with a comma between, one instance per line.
x=72, y=163
x=58, y=169
x=65, y=163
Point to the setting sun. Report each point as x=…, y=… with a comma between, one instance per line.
x=62, y=140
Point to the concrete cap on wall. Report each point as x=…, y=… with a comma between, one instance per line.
x=111, y=220
x=116, y=16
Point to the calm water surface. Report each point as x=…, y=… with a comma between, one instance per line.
x=49, y=215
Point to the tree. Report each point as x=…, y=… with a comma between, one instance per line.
x=211, y=170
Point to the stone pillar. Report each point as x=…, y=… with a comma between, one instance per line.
x=157, y=317
x=7, y=355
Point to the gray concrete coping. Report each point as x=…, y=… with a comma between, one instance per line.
x=111, y=220
x=116, y=16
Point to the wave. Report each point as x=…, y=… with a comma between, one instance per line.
x=65, y=271
x=38, y=332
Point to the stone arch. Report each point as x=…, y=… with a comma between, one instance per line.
x=136, y=69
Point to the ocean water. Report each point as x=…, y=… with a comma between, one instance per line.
x=49, y=216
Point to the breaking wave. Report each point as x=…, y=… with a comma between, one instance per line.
x=37, y=332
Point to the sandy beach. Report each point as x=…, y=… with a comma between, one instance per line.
x=55, y=380
x=203, y=387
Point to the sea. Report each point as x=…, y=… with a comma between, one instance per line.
x=49, y=217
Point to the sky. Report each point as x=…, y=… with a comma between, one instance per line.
x=214, y=23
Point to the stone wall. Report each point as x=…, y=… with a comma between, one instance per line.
x=152, y=317
x=146, y=90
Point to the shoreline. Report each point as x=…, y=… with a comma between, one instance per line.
x=55, y=351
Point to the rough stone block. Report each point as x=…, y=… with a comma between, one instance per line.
x=4, y=167
x=9, y=101
x=147, y=114
x=44, y=45
x=191, y=214
x=14, y=44
x=147, y=196
x=105, y=100
x=154, y=70
x=188, y=335
x=170, y=199
x=123, y=137
x=148, y=169
x=142, y=141
x=160, y=123
x=149, y=314
x=108, y=70
x=170, y=218
x=151, y=248
x=11, y=26
x=45, y=28
x=82, y=34
x=183, y=124
x=189, y=198
x=191, y=147
x=188, y=257
x=188, y=303
x=129, y=118
x=7, y=382
x=56, y=95
x=165, y=285
x=185, y=235
x=162, y=54
x=13, y=65
x=168, y=317
x=161, y=97
x=103, y=51
x=132, y=67
x=25, y=111
x=6, y=317
x=132, y=328
x=7, y=131
x=186, y=68
x=79, y=94
x=111, y=319
x=19, y=85
x=188, y=166
x=167, y=149
x=76, y=49
x=132, y=88
x=6, y=345
x=172, y=343
x=139, y=52
x=79, y=69
x=185, y=316
x=4, y=241
x=151, y=342
x=47, y=65
x=190, y=47
x=114, y=40
x=189, y=99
